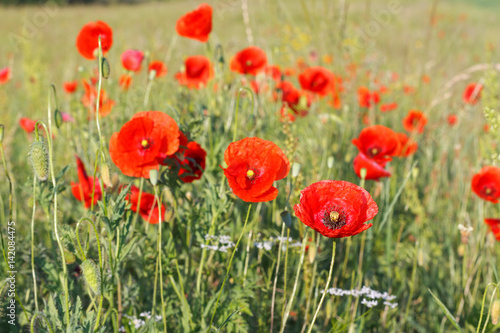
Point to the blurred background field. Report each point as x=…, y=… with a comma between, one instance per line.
x=418, y=247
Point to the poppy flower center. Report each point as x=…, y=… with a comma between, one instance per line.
x=374, y=151
x=488, y=190
x=334, y=218
x=251, y=174
x=248, y=63
x=145, y=143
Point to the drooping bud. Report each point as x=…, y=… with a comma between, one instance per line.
x=295, y=169
x=106, y=179
x=153, y=176
x=329, y=162
x=106, y=70
x=495, y=311
x=58, y=118
x=286, y=218
x=152, y=74
x=92, y=276
x=362, y=173
x=38, y=160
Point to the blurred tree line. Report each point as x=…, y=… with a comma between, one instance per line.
x=70, y=2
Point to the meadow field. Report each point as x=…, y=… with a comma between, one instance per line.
x=188, y=167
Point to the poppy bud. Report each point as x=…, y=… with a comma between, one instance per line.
x=92, y=276
x=295, y=169
x=311, y=252
x=106, y=70
x=495, y=312
x=461, y=250
x=105, y=175
x=1, y=132
x=152, y=74
x=58, y=118
x=69, y=257
x=362, y=173
x=286, y=218
x=38, y=160
x=329, y=162
x=153, y=176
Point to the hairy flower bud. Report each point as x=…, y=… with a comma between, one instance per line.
x=38, y=160
x=92, y=276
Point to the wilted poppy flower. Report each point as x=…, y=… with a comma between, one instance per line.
x=378, y=142
x=4, y=75
x=388, y=107
x=253, y=164
x=87, y=41
x=70, y=87
x=494, y=225
x=148, y=208
x=27, y=124
x=90, y=96
x=408, y=146
x=366, y=98
x=159, y=67
x=193, y=165
x=132, y=60
x=415, y=121
x=82, y=191
x=472, y=93
x=374, y=170
x=452, y=119
x=125, y=81
x=336, y=208
x=318, y=80
x=143, y=142
x=196, y=24
x=486, y=183
x=249, y=61
x=198, y=71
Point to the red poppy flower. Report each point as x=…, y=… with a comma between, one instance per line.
x=374, y=170
x=318, y=80
x=159, y=67
x=486, y=128
x=70, y=87
x=408, y=146
x=198, y=71
x=472, y=93
x=415, y=121
x=87, y=41
x=378, y=142
x=336, y=208
x=143, y=142
x=4, y=75
x=249, y=61
x=82, y=191
x=193, y=165
x=253, y=164
x=125, y=81
x=90, y=96
x=296, y=100
x=452, y=119
x=27, y=124
x=426, y=79
x=196, y=24
x=274, y=72
x=366, y=98
x=132, y=60
x=287, y=114
x=408, y=90
x=388, y=107
x=494, y=225
x=148, y=208
x=486, y=183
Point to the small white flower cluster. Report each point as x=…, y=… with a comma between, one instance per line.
x=464, y=228
x=224, y=240
x=138, y=322
x=268, y=244
x=366, y=292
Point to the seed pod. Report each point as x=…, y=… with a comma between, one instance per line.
x=106, y=70
x=295, y=169
x=2, y=128
x=58, y=118
x=495, y=312
x=106, y=179
x=92, y=276
x=153, y=176
x=286, y=218
x=38, y=160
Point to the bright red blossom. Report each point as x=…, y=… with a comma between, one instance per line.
x=70, y=87
x=388, y=107
x=378, y=142
x=472, y=93
x=452, y=119
x=486, y=183
x=196, y=24
x=82, y=191
x=336, y=209
x=4, y=75
x=27, y=124
x=144, y=142
x=366, y=98
x=193, y=165
x=90, y=96
x=415, y=121
x=494, y=225
x=374, y=170
x=253, y=164
x=408, y=146
x=87, y=41
x=318, y=80
x=159, y=67
x=125, y=81
x=132, y=60
x=198, y=71
x=148, y=208
x=250, y=61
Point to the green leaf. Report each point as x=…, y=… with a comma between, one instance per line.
x=446, y=312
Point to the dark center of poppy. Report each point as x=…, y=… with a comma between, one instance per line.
x=334, y=218
x=373, y=151
x=488, y=190
x=248, y=63
x=251, y=174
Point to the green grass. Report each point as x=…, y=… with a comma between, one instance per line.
x=414, y=247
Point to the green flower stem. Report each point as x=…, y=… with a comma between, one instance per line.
x=326, y=288
x=101, y=296
x=290, y=302
x=229, y=267
x=286, y=270
x=276, y=275
x=33, y=243
x=32, y=325
x=159, y=260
